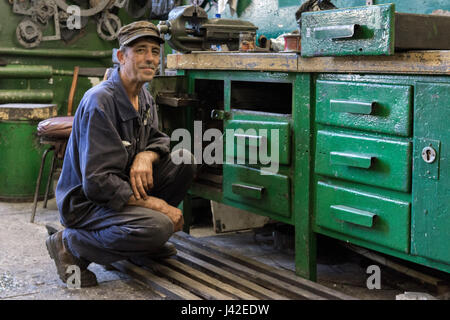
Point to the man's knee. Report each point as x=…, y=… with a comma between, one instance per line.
x=161, y=230
x=145, y=234
x=186, y=163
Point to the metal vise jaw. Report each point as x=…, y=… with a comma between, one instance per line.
x=189, y=29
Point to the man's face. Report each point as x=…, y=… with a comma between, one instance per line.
x=140, y=61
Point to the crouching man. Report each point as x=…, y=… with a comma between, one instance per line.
x=119, y=190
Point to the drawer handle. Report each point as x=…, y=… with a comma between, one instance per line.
x=352, y=215
x=259, y=139
x=248, y=190
x=336, y=32
x=352, y=106
x=350, y=159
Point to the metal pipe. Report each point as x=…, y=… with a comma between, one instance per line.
x=24, y=71
x=57, y=53
x=35, y=96
x=60, y=72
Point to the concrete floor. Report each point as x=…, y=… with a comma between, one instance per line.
x=27, y=272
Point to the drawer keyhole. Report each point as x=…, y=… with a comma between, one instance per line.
x=428, y=154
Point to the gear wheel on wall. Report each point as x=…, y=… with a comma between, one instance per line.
x=108, y=26
x=28, y=33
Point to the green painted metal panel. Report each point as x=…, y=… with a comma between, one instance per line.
x=366, y=106
x=365, y=30
x=33, y=96
x=253, y=135
x=305, y=239
x=391, y=237
x=390, y=159
x=430, y=234
x=275, y=194
x=391, y=217
x=20, y=159
x=275, y=17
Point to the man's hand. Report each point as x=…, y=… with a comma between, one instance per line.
x=174, y=214
x=141, y=173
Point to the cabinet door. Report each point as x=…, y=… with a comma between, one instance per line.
x=430, y=233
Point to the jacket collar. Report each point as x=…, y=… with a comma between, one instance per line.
x=125, y=108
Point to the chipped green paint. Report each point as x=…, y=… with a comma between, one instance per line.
x=22, y=71
x=57, y=53
x=431, y=181
x=275, y=192
x=20, y=158
x=347, y=104
x=377, y=209
x=390, y=226
x=36, y=96
x=389, y=165
x=357, y=31
x=275, y=17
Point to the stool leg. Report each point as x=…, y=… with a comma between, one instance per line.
x=38, y=183
x=50, y=177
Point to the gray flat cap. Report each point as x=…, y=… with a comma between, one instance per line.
x=138, y=29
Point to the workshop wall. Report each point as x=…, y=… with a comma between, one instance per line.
x=83, y=48
x=275, y=17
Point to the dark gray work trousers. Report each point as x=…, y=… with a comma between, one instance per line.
x=105, y=235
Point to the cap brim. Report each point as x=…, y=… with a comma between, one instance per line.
x=141, y=35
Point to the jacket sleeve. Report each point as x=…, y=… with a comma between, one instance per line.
x=158, y=141
x=103, y=159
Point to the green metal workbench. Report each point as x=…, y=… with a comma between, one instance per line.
x=351, y=164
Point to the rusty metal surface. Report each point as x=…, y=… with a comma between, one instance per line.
x=234, y=61
x=436, y=62
x=27, y=111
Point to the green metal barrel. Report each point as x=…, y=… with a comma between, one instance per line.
x=21, y=151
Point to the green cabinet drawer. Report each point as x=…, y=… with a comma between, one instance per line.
x=371, y=217
x=352, y=31
x=267, y=192
x=250, y=136
x=367, y=106
x=376, y=161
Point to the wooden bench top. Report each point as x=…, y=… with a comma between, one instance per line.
x=436, y=62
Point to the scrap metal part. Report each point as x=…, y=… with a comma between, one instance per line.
x=108, y=26
x=29, y=32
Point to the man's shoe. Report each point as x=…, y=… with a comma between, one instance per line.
x=166, y=251
x=63, y=259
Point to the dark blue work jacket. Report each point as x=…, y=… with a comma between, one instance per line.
x=107, y=134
